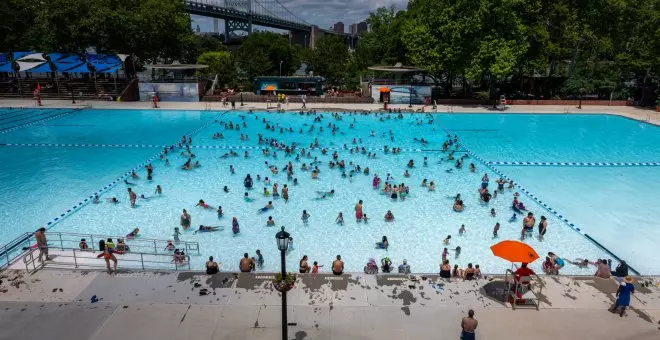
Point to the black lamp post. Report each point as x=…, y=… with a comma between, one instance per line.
x=410, y=97
x=241, y=89
x=582, y=92
x=282, y=238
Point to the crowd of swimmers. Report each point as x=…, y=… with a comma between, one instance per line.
x=395, y=190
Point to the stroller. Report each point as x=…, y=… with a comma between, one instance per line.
x=371, y=267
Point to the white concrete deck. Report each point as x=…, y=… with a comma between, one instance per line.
x=169, y=305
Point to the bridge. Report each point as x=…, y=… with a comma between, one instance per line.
x=240, y=15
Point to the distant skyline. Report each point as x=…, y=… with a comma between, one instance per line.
x=323, y=13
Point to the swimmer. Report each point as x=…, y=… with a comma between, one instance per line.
x=220, y=213
x=513, y=218
x=134, y=175
x=167, y=162
x=235, y=228
x=472, y=167
x=389, y=217
x=267, y=207
x=128, y=183
x=266, y=192
x=406, y=174
x=458, y=251
x=325, y=194
x=424, y=184
x=225, y=189
x=458, y=206
x=176, y=234
x=365, y=219
x=133, y=234
x=543, y=227
x=270, y=221
x=170, y=246
x=446, y=240
x=496, y=229
x=305, y=216
x=247, y=198
x=461, y=230
x=492, y=212
x=202, y=204
x=431, y=186
x=340, y=219
x=96, y=199
x=383, y=244
x=207, y=229
x=112, y=200
x=159, y=190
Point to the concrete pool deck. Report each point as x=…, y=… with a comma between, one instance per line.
x=55, y=304
x=635, y=113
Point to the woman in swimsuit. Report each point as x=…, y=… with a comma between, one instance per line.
x=389, y=217
x=303, y=265
x=133, y=234
x=186, y=219
x=235, y=228
x=445, y=269
x=206, y=229
x=543, y=227
x=358, y=211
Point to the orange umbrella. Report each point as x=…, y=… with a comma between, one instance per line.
x=384, y=89
x=270, y=88
x=514, y=251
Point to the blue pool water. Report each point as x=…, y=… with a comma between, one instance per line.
x=42, y=181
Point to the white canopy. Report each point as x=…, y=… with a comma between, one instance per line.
x=27, y=65
x=33, y=56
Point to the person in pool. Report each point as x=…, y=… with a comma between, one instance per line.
x=325, y=194
x=203, y=204
x=247, y=182
x=305, y=216
x=513, y=218
x=270, y=221
x=446, y=240
x=389, y=217
x=496, y=229
x=458, y=206
x=267, y=207
x=112, y=200
x=206, y=229
x=340, y=219
x=383, y=244
x=235, y=228
x=528, y=225
x=543, y=227
x=185, y=220
x=247, y=197
x=133, y=234
x=557, y=261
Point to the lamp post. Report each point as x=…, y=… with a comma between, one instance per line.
x=241, y=89
x=582, y=92
x=282, y=238
x=281, y=61
x=410, y=97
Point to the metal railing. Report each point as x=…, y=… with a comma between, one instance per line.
x=71, y=241
x=91, y=259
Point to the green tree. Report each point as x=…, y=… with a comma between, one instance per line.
x=383, y=44
x=330, y=58
x=261, y=54
x=220, y=64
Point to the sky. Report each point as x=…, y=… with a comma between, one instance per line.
x=323, y=13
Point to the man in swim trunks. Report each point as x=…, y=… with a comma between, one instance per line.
x=358, y=211
x=469, y=325
x=132, y=197
x=338, y=266
x=246, y=264
x=528, y=225
x=543, y=227
x=42, y=243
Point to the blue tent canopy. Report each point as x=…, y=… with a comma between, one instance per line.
x=4, y=57
x=6, y=67
x=80, y=68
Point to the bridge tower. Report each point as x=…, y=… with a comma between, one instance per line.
x=232, y=25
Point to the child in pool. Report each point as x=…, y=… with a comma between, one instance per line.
x=383, y=244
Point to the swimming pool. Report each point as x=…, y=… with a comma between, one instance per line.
x=70, y=157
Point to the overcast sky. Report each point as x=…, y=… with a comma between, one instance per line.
x=323, y=13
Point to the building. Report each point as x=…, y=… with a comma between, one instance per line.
x=352, y=29
x=362, y=27
x=339, y=27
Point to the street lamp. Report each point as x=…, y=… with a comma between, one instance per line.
x=582, y=92
x=410, y=97
x=282, y=238
x=281, y=61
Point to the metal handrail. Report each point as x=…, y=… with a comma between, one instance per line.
x=139, y=243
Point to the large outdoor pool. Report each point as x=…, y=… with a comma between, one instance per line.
x=597, y=172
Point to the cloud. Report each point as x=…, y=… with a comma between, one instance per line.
x=323, y=13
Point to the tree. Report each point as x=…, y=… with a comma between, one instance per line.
x=220, y=64
x=330, y=58
x=261, y=53
x=383, y=44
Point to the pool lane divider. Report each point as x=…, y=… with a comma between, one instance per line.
x=87, y=145
x=583, y=164
x=540, y=202
x=45, y=119
x=111, y=185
